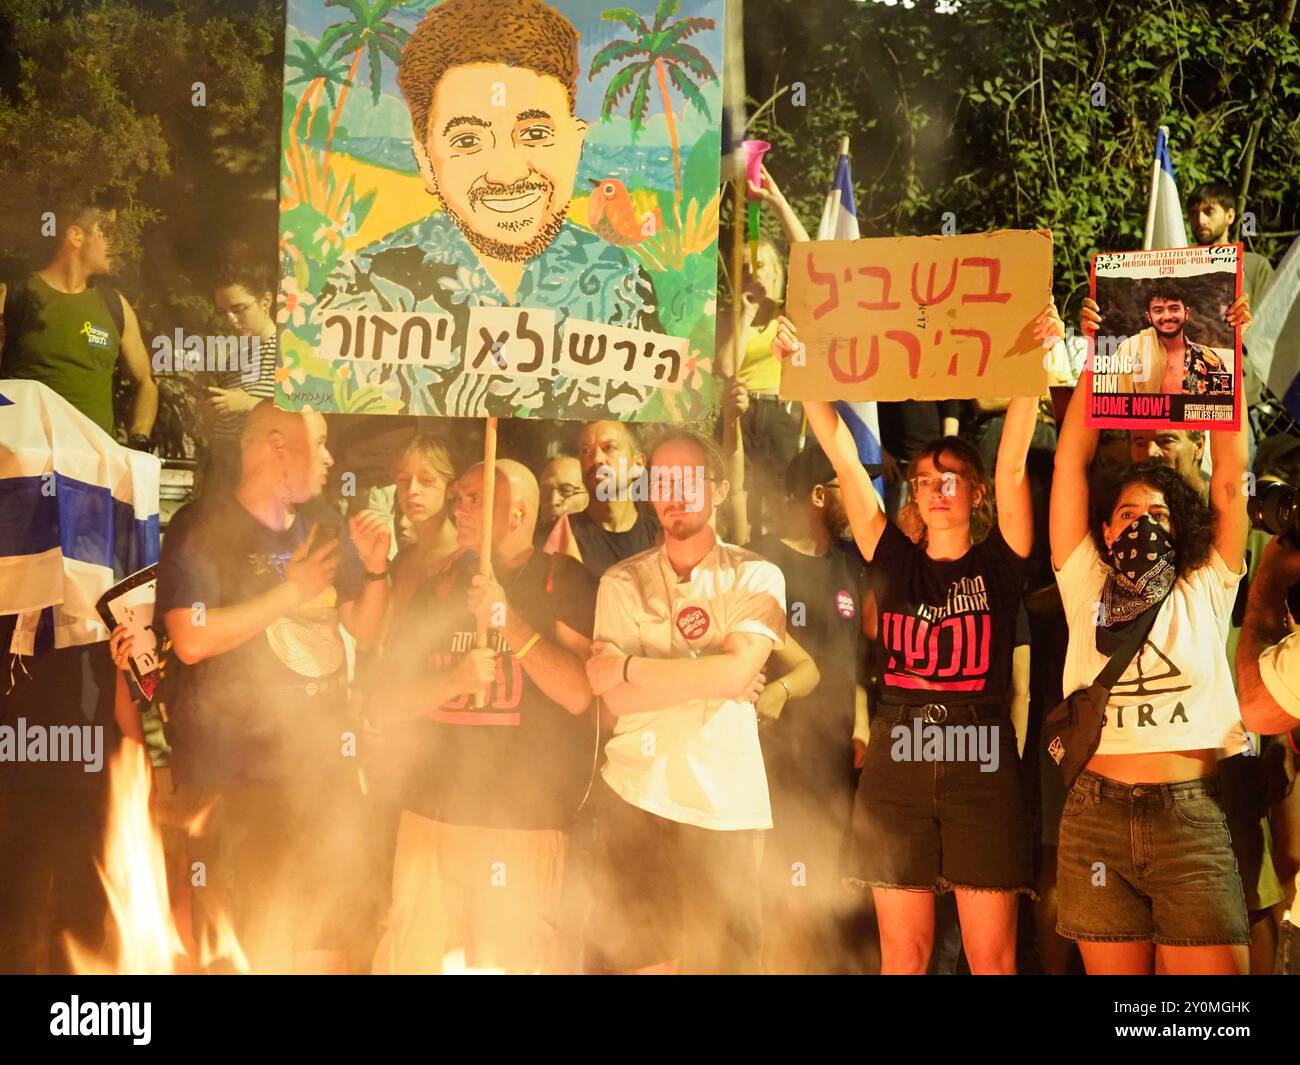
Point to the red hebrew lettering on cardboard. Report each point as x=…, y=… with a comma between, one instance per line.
x=919, y=317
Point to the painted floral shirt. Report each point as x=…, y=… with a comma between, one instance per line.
x=429, y=266
x=1206, y=373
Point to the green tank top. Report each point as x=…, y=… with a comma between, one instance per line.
x=69, y=342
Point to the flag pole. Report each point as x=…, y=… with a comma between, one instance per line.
x=834, y=227
x=1149, y=235
x=737, y=271
x=733, y=440
x=485, y=533
x=835, y=207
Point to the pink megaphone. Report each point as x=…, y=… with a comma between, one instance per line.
x=754, y=161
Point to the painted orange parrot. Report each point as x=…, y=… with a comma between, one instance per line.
x=613, y=217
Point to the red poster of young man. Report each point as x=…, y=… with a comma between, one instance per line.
x=1165, y=355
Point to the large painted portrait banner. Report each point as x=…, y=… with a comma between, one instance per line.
x=500, y=207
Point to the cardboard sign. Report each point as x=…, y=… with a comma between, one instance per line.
x=502, y=209
x=919, y=317
x=130, y=602
x=1164, y=355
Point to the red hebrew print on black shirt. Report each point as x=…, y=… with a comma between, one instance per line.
x=947, y=627
x=943, y=648
x=503, y=698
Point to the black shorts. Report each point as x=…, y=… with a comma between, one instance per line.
x=673, y=892
x=951, y=815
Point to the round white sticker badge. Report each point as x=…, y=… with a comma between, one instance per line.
x=692, y=622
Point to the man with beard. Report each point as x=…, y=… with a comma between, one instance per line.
x=1211, y=212
x=1165, y=360
x=682, y=634
x=491, y=86
x=809, y=750
x=613, y=527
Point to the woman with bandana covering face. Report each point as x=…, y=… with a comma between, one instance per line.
x=1147, y=881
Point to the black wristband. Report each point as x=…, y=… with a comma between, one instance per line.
x=626, y=662
x=377, y=576
x=139, y=442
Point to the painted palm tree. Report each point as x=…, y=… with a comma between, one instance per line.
x=368, y=33
x=659, y=50
x=318, y=74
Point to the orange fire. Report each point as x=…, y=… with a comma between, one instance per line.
x=143, y=938
x=134, y=871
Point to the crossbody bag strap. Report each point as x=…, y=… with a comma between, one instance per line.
x=1125, y=652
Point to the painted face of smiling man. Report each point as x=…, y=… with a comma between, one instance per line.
x=495, y=134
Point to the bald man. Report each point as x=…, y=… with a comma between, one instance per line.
x=252, y=587
x=613, y=527
x=484, y=830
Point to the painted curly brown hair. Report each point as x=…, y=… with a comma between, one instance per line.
x=516, y=33
x=1189, y=514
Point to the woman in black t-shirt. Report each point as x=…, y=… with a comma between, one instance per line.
x=939, y=805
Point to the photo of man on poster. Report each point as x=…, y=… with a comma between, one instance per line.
x=1168, y=361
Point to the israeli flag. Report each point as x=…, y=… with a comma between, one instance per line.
x=78, y=513
x=1274, y=349
x=1166, y=222
x=839, y=221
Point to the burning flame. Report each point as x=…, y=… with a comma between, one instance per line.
x=144, y=938
x=134, y=872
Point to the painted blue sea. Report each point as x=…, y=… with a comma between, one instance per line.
x=652, y=166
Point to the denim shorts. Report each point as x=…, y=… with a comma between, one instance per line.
x=1148, y=862
x=938, y=823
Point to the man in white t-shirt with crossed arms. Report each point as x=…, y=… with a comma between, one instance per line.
x=682, y=633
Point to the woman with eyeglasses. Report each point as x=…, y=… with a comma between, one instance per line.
x=939, y=805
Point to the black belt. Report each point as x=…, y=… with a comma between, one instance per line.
x=942, y=713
